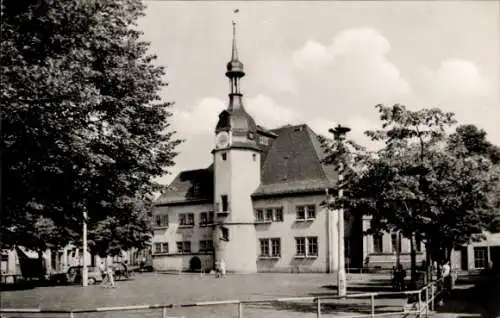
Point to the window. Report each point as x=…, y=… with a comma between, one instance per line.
x=275, y=247
x=306, y=212
x=225, y=234
x=196, y=189
x=225, y=203
x=254, y=157
x=259, y=215
x=300, y=243
x=396, y=247
x=312, y=246
x=418, y=243
x=206, y=246
x=278, y=217
x=186, y=219
x=264, y=140
x=270, y=247
x=306, y=246
x=161, y=220
x=378, y=243
x=224, y=156
x=301, y=212
x=269, y=215
x=206, y=218
x=480, y=257
x=160, y=247
x=184, y=247
x=264, y=247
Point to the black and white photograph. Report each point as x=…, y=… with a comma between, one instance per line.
x=250, y=159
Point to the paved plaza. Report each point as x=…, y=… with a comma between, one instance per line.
x=153, y=288
x=188, y=288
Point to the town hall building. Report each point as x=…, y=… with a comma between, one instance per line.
x=258, y=206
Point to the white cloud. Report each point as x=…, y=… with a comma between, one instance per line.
x=202, y=119
x=312, y=55
x=266, y=112
x=354, y=64
x=455, y=79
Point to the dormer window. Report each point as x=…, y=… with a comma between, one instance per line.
x=196, y=189
x=251, y=135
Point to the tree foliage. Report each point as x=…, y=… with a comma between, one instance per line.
x=421, y=183
x=84, y=127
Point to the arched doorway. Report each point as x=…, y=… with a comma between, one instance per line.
x=195, y=264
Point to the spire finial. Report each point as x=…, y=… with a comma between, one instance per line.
x=234, y=56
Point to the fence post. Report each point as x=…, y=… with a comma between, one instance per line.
x=432, y=297
x=318, y=307
x=240, y=310
x=164, y=312
x=426, y=301
x=420, y=303
x=372, y=303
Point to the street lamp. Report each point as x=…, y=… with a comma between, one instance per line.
x=85, y=273
x=339, y=133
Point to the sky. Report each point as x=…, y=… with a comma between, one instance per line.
x=324, y=63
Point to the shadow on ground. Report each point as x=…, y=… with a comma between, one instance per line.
x=479, y=300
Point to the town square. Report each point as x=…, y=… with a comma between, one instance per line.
x=250, y=159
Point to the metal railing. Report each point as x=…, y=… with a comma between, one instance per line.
x=425, y=304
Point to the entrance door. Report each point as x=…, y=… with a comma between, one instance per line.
x=464, y=258
x=495, y=257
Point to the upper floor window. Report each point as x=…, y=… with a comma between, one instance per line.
x=186, y=219
x=206, y=246
x=269, y=214
x=206, y=218
x=418, y=243
x=160, y=247
x=263, y=140
x=305, y=212
x=196, y=189
x=224, y=156
x=161, y=220
x=183, y=247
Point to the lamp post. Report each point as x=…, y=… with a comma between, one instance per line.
x=339, y=133
x=85, y=276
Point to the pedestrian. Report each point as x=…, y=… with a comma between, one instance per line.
x=108, y=279
x=222, y=268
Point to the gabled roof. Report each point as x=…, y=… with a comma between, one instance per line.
x=191, y=186
x=291, y=164
x=294, y=164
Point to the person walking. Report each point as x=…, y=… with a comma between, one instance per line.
x=108, y=279
x=222, y=268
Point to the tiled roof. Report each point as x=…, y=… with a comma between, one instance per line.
x=189, y=187
x=293, y=164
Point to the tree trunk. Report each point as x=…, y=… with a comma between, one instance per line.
x=413, y=260
x=398, y=250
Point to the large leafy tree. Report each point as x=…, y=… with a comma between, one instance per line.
x=84, y=128
x=416, y=185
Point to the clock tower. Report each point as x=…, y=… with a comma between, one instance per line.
x=236, y=176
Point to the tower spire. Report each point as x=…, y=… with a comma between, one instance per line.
x=234, y=55
x=234, y=67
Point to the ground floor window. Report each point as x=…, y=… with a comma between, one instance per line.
x=270, y=247
x=306, y=246
x=160, y=247
x=480, y=257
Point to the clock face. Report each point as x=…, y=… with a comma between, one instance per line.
x=222, y=139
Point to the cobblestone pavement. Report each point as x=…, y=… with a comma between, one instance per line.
x=189, y=288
